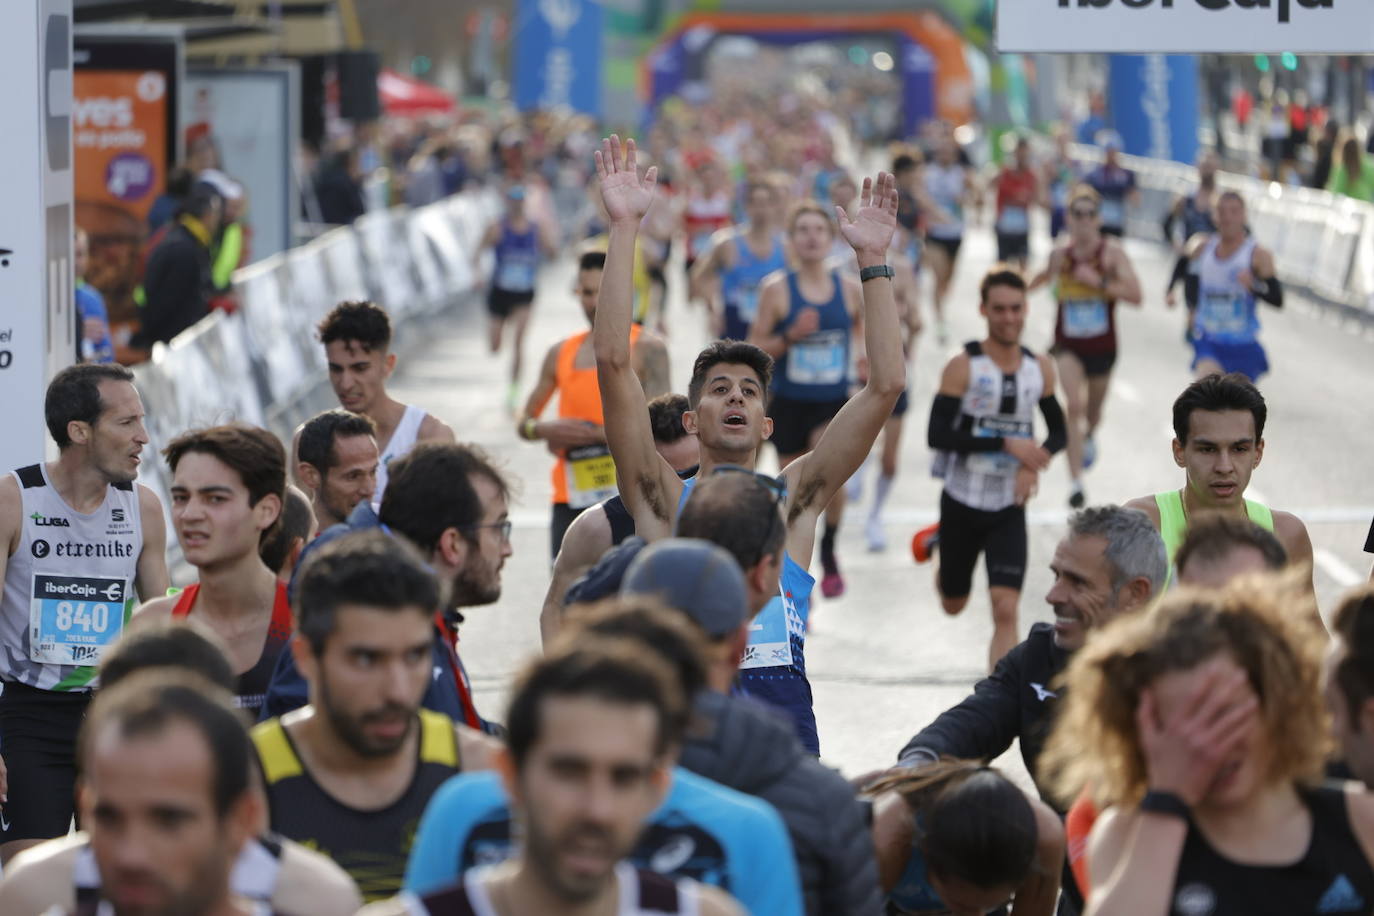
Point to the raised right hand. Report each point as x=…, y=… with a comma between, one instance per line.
x=1027, y=452
x=627, y=197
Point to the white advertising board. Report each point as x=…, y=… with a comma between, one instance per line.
x=37, y=328
x=1187, y=26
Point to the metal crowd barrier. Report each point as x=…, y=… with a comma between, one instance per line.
x=263, y=364
x=1323, y=243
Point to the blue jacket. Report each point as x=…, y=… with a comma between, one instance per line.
x=702, y=831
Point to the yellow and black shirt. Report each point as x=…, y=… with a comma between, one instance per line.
x=372, y=846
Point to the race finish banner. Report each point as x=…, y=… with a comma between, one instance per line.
x=1186, y=26
x=37, y=326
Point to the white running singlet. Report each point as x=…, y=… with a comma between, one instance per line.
x=402, y=441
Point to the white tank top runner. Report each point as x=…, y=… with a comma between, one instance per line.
x=402, y=441
x=1225, y=306
x=69, y=588
x=995, y=404
x=945, y=185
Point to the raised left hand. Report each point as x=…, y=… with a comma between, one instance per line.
x=870, y=231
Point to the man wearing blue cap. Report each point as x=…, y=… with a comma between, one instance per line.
x=737, y=742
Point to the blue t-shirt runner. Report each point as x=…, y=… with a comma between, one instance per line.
x=702, y=831
x=739, y=284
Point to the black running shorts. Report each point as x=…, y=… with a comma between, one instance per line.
x=38, y=741
x=794, y=421
x=965, y=532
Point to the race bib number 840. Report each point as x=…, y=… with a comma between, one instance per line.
x=73, y=619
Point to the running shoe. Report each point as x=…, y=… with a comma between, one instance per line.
x=877, y=537
x=832, y=586
x=1077, y=498
x=925, y=542
x=941, y=332
x=512, y=397
x=1089, y=452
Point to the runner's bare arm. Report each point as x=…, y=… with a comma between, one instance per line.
x=1039, y=893
x=543, y=389
x=1051, y=269
x=152, y=580
x=311, y=884
x=40, y=878
x=705, y=268
x=1134, y=859
x=772, y=309
x=489, y=238
x=648, y=485
x=476, y=750
x=847, y=440
x=11, y=520
x=152, y=611
x=587, y=538
x=1292, y=533
x=1124, y=285
x=432, y=429
x=716, y=902
x=1147, y=505
x=651, y=359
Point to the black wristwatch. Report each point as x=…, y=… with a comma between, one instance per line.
x=1166, y=803
x=876, y=271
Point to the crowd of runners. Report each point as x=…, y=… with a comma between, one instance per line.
x=295, y=732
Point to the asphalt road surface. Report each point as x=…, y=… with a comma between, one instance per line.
x=884, y=659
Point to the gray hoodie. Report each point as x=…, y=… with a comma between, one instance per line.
x=742, y=744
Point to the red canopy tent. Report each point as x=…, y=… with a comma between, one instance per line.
x=402, y=95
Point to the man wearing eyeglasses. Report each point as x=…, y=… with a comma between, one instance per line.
x=727, y=395
x=1091, y=273
x=448, y=501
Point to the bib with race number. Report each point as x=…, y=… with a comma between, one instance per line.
x=996, y=463
x=1113, y=212
x=515, y=275
x=74, y=619
x=820, y=359
x=1224, y=315
x=590, y=474
x=1085, y=318
x=1014, y=221
x=769, y=645
x=744, y=300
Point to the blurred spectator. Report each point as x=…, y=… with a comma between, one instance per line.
x=164, y=209
x=1353, y=176
x=1326, y=154
x=1094, y=123
x=229, y=249
x=177, y=285
x=339, y=189
x=92, y=321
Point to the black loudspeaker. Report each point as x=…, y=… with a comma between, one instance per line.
x=358, y=100
x=313, y=99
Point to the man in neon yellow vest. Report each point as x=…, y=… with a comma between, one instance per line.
x=1219, y=441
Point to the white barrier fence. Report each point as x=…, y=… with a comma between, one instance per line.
x=263, y=364
x=1323, y=243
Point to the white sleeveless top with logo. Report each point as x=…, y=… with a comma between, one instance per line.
x=402, y=441
x=642, y=893
x=69, y=587
x=996, y=403
x=1226, y=308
